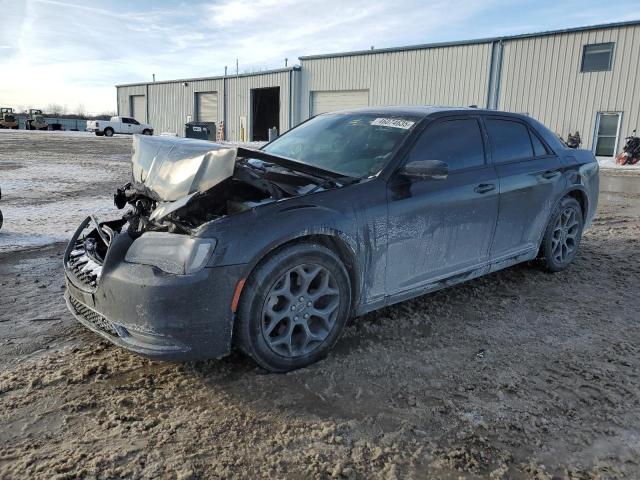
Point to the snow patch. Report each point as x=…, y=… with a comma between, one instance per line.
x=610, y=163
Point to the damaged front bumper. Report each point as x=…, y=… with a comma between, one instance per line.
x=145, y=310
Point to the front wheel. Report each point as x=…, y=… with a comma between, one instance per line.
x=562, y=237
x=146, y=131
x=293, y=307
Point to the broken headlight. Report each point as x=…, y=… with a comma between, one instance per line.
x=170, y=252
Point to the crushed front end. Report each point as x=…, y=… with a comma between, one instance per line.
x=147, y=281
x=142, y=281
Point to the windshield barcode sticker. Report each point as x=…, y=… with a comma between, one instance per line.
x=393, y=122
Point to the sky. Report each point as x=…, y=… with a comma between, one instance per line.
x=72, y=53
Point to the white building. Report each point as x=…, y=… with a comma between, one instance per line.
x=585, y=79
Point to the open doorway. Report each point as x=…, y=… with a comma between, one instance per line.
x=265, y=112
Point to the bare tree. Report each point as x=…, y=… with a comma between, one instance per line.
x=81, y=111
x=54, y=109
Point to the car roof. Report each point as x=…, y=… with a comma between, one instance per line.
x=425, y=110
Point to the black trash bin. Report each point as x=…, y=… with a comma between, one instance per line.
x=201, y=130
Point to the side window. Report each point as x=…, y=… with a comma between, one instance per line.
x=539, y=149
x=509, y=140
x=134, y=121
x=125, y=120
x=456, y=142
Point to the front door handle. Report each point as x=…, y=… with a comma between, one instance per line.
x=550, y=174
x=484, y=187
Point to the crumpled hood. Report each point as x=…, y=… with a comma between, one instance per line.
x=172, y=168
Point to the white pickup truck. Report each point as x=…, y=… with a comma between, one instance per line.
x=118, y=125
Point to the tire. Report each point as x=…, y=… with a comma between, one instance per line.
x=99, y=134
x=146, y=131
x=562, y=236
x=1, y=219
x=281, y=343
x=108, y=132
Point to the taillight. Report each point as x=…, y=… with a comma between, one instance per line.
x=97, y=124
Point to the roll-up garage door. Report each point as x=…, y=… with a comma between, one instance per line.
x=138, y=110
x=330, y=101
x=207, y=106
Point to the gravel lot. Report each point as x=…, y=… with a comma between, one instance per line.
x=520, y=374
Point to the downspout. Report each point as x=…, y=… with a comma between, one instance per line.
x=495, y=75
x=496, y=98
x=290, y=98
x=224, y=106
x=146, y=104
x=492, y=60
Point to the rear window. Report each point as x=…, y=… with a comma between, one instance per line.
x=455, y=142
x=509, y=140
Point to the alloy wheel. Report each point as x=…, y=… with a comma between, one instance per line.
x=564, y=239
x=300, y=310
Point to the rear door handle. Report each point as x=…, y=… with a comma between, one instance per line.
x=550, y=174
x=484, y=187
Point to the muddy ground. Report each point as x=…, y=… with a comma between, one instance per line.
x=520, y=374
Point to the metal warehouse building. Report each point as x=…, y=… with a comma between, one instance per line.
x=246, y=105
x=584, y=79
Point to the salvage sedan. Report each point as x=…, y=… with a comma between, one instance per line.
x=272, y=250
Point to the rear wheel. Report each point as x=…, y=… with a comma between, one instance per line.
x=108, y=132
x=561, y=240
x=146, y=131
x=293, y=307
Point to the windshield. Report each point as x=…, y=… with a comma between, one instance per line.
x=352, y=144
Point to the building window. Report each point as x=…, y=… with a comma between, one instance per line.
x=607, y=131
x=597, y=57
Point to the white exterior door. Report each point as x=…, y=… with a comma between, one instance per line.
x=607, y=133
x=207, y=106
x=138, y=110
x=329, y=101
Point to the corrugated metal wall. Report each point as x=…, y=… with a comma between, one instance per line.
x=541, y=76
x=454, y=75
x=239, y=99
x=124, y=97
x=170, y=104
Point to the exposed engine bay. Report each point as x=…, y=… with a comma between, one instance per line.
x=179, y=184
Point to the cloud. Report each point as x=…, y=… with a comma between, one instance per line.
x=71, y=51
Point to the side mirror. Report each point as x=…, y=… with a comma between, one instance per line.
x=434, y=169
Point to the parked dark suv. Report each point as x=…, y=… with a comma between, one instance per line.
x=272, y=250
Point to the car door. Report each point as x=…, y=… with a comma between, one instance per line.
x=126, y=125
x=530, y=177
x=135, y=126
x=440, y=227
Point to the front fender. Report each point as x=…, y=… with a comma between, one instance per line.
x=247, y=237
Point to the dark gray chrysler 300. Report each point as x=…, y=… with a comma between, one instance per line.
x=272, y=250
